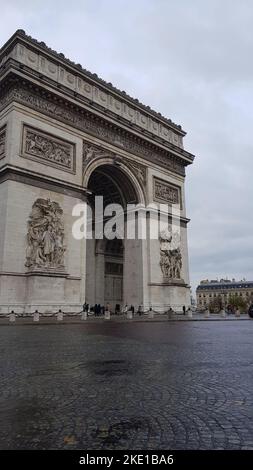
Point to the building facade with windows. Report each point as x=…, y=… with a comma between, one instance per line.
x=221, y=291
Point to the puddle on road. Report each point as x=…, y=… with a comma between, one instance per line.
x=121, y=431
x=111, y=368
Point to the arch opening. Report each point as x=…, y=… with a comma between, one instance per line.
x=108, y=273
x=113, y=184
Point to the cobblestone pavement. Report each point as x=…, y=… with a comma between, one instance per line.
x=175, y=385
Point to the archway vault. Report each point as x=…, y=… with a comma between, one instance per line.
x=122, y=185
x=114, y=267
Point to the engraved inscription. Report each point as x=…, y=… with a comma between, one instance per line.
x=164, y=191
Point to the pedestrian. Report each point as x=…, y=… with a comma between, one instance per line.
x=184, y=309
x=85, y=307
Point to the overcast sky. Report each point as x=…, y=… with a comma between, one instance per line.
x=192, y=61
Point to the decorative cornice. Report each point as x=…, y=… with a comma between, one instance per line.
x=31, y=178
x=170, y=283
x=81, y=79
x=75, y=116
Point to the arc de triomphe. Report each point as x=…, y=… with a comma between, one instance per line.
x=66, y=136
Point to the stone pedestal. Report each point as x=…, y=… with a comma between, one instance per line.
x=170, y=294
x=107, y=315
x=59, y=316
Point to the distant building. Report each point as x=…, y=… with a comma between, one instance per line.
x=214, y=290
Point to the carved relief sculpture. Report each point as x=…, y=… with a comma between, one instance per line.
x=90, y=152
x=45, y=248
x=164, y=191
x=139, y=171
x=2, y=142
x=49, y=150
x=170, y=255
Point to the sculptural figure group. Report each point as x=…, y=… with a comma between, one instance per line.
x=45, y=248
x=170, y=255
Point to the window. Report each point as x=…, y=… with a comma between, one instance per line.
x=113, y=268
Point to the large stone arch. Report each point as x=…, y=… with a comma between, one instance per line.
x=122, y=167
x=106, y=272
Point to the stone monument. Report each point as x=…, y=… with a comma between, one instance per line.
x=67, y=136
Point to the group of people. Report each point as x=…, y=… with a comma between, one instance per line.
x=99, y=310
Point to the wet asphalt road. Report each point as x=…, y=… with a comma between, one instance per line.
x=177, y=385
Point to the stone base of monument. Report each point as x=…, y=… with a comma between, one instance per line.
x=173, y=292
x=107, y=315
x=84, y=316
